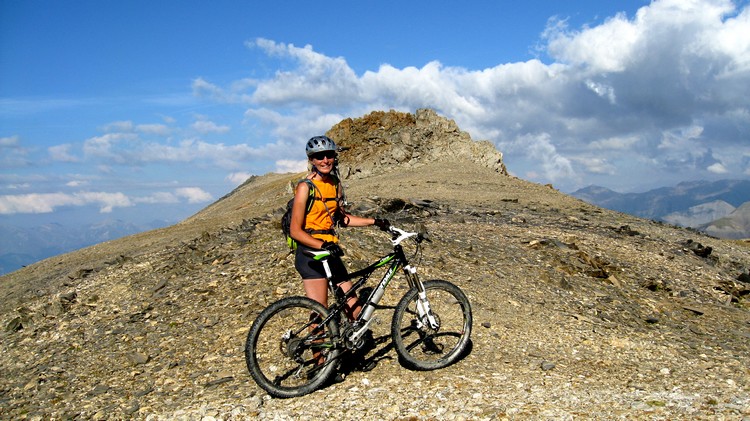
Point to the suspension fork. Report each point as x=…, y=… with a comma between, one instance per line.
x=426, y=316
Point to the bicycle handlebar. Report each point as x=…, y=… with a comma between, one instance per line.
x=400, y=235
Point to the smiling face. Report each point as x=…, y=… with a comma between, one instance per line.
x=324, y=161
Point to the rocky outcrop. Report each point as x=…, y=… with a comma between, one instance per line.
x=385, y=141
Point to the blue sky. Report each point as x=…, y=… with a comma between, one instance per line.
x=152, y=109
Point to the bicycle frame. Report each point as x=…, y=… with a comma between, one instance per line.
x=397, y=259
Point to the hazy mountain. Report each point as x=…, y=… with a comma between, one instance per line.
x=23, y=246
x=688, y=204
x=698, y=215
x=735, y=225
x=656, y=203
x=579, y=312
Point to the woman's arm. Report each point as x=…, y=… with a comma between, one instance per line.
x=357, y=221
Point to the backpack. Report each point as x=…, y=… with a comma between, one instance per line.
x=286, y=218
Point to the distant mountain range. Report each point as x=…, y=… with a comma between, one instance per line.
x=719, y=208
x=24, y=246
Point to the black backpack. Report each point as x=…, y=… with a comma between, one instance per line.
x=286, y=219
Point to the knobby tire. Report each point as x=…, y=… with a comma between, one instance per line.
x=285, y=354
x=422, y=348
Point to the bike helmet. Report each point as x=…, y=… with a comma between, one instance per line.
x=320, y=144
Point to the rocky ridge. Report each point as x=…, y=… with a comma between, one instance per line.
x=579, y=312
x=382, y=142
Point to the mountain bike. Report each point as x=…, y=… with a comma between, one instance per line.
x=296, y=344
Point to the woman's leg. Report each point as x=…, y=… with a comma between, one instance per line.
x=353, y=306
x=317, y=289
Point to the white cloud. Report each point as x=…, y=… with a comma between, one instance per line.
x=289, y=165
x=33, y=203
x=9, y=142
x=130, y=149
x=12, y=154
x=596, y=165
x=194, y=194
x=237, y=178
x=158, y=197
x=554, y=165
x=205, y=126
x=604, y=48
x=110, y=147
x=636, y=84
x=61, y=153
x=48, y=202
x=106, y=201
x=234, y=94
x=119, y=126
x=155, y=129
x=318, y=79
x=717, y=168
x=662, y=88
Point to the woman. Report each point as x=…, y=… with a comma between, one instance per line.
x=315, y=229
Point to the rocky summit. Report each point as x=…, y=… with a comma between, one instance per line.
x=579, y=312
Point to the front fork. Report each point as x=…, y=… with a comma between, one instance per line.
x=426, y=316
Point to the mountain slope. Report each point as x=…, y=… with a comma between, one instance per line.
x=735, y=225
x=656, y=203
x=690, y=204
x=24, y=246
x=698, y=215
x=578, y=311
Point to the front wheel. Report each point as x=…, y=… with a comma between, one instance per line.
x=433, y=331
x=288, y=351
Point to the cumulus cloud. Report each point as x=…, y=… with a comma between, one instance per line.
x=12, y=154
x=158, y=197
x=290, y=165
x=155, y=129
x=655, y=93
x=106, y=201
x=194, y=194
x=237, y=178
x=62, y=153
x=119, y=126
x=9, y=142
x=130, y=149
x=48, y=202
x=626, y=84
x=717, y=168
x=205, y=126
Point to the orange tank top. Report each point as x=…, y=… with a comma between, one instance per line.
x=318, y=217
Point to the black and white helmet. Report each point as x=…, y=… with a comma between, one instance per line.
x=320, y=144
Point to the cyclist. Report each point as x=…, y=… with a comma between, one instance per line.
x=315, y=229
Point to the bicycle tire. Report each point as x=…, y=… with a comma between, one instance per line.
x=421, y=348
x=280, y=347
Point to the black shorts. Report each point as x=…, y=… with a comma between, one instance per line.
x=310, y=268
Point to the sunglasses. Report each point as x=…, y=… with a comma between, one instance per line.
x=327, y=154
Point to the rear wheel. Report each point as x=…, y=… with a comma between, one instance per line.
x=288, y=351
x=434, y=337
